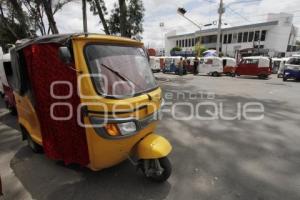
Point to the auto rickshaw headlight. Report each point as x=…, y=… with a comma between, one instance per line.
x=127, y=128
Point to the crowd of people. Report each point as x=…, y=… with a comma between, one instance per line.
x=184, y=63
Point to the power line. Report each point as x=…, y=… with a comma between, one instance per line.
x=234, y=12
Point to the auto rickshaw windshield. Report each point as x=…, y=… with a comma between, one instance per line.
x=119, y=71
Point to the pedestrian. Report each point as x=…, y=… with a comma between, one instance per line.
x=196, y=63
x=180, y=67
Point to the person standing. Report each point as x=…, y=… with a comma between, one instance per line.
x=180, y=67
x=196, y=63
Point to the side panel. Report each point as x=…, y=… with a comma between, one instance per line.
x=28, y=117
x=55, y=100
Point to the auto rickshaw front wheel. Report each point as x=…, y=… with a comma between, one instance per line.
x=158, y=170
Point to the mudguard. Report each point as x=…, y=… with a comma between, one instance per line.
x=152, y=147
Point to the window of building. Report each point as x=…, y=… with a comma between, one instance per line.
x=245, y=37
x=229, y=40
x=251, y=36
x=225, y=39
x=193, y=42
x=182, y=43
x=256, y=36
x=234, y=38
x=263, y=35
x=240, y=37
x=213, y=39
x=190, y=42
x=177, y=43
x=186, y=42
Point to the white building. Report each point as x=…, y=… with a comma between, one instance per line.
x=277, y=36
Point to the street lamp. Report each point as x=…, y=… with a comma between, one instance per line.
x=181, y=11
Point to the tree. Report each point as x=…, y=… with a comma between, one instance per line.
x=36, y=15
x=127, y=20
x=136, y=14
x=22, y=18
x=50, y=12
x=174, y=49
x=199, y=49
x=98, y=8
x=123, y=17
x=114, y=21
x=11, y=28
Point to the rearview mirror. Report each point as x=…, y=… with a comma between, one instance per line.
x=65, y=55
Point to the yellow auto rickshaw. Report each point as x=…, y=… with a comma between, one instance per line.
x=91, y=100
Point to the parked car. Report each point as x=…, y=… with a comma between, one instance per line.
x=155, y=64
x=211, y=66
x=292, y=69
x=229, y=66
x=254, y=66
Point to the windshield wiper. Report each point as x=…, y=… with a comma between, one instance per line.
x=123, y=77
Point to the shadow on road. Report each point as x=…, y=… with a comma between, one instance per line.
x=219, y=159
x=47, y=179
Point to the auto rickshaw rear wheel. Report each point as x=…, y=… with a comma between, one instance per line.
x=158, y=170
x=36, y=148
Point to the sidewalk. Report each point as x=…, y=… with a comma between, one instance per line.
x=10, y=142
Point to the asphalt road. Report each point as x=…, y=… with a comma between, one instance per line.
x=212, y=159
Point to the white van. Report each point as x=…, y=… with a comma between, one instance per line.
x=5, y=69
x=211, y=65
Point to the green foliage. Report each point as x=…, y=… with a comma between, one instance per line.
x=200, y=49
x=134, y=19
x=177, y=48
x=114, y=21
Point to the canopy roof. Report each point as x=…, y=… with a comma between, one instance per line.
x=64, y=38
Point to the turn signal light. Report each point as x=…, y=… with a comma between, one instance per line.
x=112, y=129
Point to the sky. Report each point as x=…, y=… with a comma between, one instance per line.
x=238, y=12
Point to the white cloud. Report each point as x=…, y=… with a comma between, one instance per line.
x=69, y=19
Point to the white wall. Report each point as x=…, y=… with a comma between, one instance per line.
x=277, y=38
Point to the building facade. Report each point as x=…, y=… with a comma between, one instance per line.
x=277, y=36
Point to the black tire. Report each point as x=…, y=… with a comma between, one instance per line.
x=284, y=79
x=215, y=74
x=263, y=76
x=233, y=74
x=13, y=111
x=36, y=148
x=166, y=165
x=278, y=76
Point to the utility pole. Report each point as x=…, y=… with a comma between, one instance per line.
x=221, y=11
x=85, y=29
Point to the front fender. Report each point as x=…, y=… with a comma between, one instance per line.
x=152, y=147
